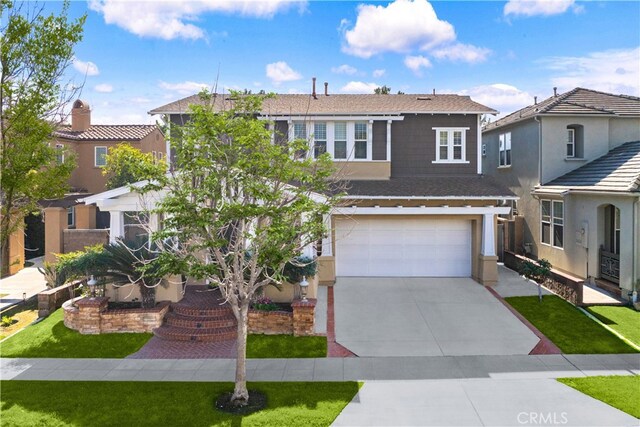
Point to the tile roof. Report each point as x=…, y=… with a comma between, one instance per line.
x=472, y=186
x=577, y=101
x=106, y=132
x=617, y=171
x=286, y=104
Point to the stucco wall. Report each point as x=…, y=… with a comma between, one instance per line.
x=573, y=258
x=623, y=130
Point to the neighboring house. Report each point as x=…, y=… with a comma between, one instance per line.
x=418, y=204
x=574, y=164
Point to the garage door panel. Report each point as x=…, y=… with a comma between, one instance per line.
x=410, y=247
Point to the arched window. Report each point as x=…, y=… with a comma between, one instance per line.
x=575, y=141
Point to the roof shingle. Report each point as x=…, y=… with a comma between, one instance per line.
x=106, y=132
x=577, y=101
x=616, y=171
x=286, y=104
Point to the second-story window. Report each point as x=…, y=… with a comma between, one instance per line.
x=571, y=142
x=504, y=150
x=360, y=140
x=319, y=138
x=71, y=216
x=300, y=132
x=100, y=156
x=59, y=154
x=451, y=143
x=340, y=140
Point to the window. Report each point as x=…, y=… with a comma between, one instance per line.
x=340, y=140
x=450, y=145
x=59, y=154
x=100, y=156
x=71, y=216
x=552, y=223
x=505, y=150
x=300, y=132
x=571, y=142
x=360, y=140
x=319, y=139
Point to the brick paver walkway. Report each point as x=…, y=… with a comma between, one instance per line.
x=158, y=348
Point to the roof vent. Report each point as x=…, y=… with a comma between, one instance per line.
x=423, y=98
x=555, y=92
x=535, y=100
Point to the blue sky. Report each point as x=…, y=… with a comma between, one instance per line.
x=139, y=55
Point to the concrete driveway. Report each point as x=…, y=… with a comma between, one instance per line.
x=425, y=317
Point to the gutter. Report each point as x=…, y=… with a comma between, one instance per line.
x=349, y=196
x=583, y=192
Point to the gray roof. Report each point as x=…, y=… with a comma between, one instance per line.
x=286, y=104
x=106, y=132
x=616, y=171
x=472, y=186
x=578, y=101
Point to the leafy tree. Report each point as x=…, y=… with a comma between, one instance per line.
x=127, y=164
x=538, y=271
x=240, y=205
x=384, y=90
x=34, y=53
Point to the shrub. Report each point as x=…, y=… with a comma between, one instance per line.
x=539, y=271
x=265, y=304
x=299, y=267
x=7, y=321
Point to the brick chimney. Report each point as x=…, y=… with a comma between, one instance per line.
x=80, y=116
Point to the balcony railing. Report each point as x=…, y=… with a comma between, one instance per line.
x=610, y=266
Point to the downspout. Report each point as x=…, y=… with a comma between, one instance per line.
x=539, y=149
x=636, y=250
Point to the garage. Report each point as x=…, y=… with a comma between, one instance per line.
x=407, y=247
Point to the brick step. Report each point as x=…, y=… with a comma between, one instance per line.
x=212, y=312
x=176, y=333
x=175, y=319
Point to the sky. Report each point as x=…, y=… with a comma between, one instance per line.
x=139, y=55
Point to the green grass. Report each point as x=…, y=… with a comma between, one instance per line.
x=623, y=320
x=570, y=329
x=285, y=346
x=66, y=403
x=50, y=338
x=622, y=392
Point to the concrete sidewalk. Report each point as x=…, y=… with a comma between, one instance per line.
x=28, y=281
x=325, y=369
x=477, y=402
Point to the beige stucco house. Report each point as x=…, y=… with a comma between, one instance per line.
x=574, y=161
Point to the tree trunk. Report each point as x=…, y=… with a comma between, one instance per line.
x=4, y=262
x=240, y=395
x=148, y=296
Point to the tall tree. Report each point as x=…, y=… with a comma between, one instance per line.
x=240, y=205
x=36, y=50
x=127, y=164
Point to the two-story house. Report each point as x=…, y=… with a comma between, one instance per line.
x=574, y=161
x=418, y=204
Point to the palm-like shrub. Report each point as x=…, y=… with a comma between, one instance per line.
x=133, y=262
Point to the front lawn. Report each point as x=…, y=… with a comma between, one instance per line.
x=285, y=346
x=51, y=338
x=623, y=320
x=570, y=329
x=622, y=392
x=84, y=403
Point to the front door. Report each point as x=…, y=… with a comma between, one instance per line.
x=610, y=250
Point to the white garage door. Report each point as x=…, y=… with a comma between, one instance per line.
x=391, y=247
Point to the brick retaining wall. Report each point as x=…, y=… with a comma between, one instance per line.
x=91, y=316
x=52, y=299
x=300, y=322
x=566, y=287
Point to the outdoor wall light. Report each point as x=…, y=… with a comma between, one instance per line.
x=304, y=285
x=92, y=282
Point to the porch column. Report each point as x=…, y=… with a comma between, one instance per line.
x=116, y=226
x=488, y=261
x=326, y=240
x=389, y=140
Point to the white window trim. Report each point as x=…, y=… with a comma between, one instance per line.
x=552, y=224
x=61, y=153
x=572, y=143
x=313, y=138
x=507, y=142
x=450, y=131
x=95, y=155
x=350, y=125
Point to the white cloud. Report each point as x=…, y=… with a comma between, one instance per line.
x=280, y=71
x=184, y=88
x=344, y=69
x=399, y=27
x=416, y=63
x=460, y=52
x=502, y=97
x=540, y=7
x=103, y=88
x=359, y=87
x=379, y=72
x=88, y=68
x=170, y=19
x=614, y=71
